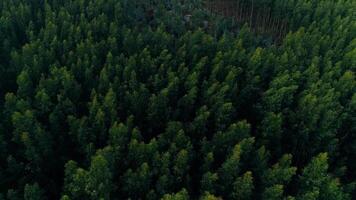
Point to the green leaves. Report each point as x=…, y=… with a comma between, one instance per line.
x=243, y=187
x=280, y=94
x=231, y=168
x=281, y=173
x=274, y=192
x=137, y=183
x=33, y=192
x=25, y=87
x=93, y=184
x=182, y=195
x=316, y=183
x=119, y=99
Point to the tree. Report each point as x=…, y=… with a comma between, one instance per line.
x=280, y=94
x=110, y=106
x=181, y=166
x=92, y=184
x=33, y=192
x=274, y=192
x=25, y=86
x=225, y=141
x=208, y=182
x=271, y=128
x=230, y=169
x=99, y=183
x=182, y=195
x=158, y=109
x=136, y=183
x=243, y=187
x=281, y=173
x=208, y=196
x=316, y=183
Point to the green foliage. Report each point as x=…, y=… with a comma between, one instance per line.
x=182, y=195
x=274, y=192
x=208, y=196
x=93, y=184
x=281, y=172
x=317, y=183
x=156, y=99
x=33, y=192
x=243, y=187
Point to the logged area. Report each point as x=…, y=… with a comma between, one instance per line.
x=262, y=17
x=177, y=99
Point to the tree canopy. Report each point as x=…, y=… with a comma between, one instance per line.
x=153, y=99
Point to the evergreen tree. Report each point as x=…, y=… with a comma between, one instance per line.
x=119, y=99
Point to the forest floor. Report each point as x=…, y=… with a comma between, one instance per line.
x=261, y=23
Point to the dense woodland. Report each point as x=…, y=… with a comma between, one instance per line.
x=177, y=100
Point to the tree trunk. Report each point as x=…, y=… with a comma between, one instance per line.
x=251, y=14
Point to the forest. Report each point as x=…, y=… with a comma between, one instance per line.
x=177, y=99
